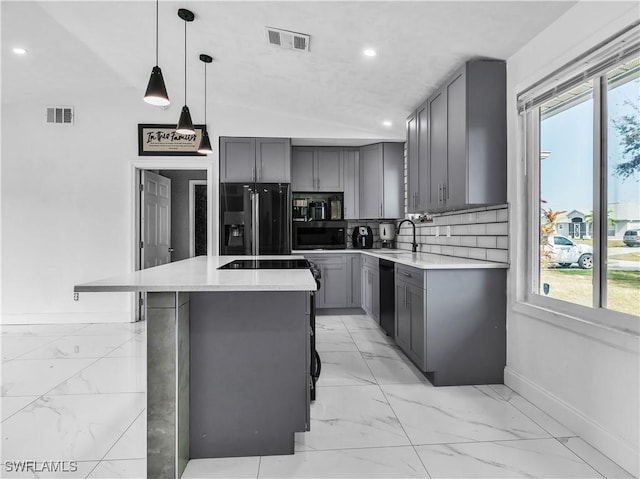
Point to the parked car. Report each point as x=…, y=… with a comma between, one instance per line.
x=565, y=252
x=631, y=238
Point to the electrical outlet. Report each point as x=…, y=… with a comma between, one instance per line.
x=76, y=296
x=448, y=231
x=437, y=231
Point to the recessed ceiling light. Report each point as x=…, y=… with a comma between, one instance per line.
x=387, y=123
x=19, y=51
x=369, y=52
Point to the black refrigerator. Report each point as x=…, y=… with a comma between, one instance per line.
x=255, y=218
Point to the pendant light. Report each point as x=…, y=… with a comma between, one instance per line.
x=185, y=125
x=156, y=93
x=205, y=144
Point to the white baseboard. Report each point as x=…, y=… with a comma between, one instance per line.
x=619, y=450
x=74, y=318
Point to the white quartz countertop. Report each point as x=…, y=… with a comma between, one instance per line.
x=416, y=260
x=202, y=274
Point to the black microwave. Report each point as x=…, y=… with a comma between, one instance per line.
x=320, y=235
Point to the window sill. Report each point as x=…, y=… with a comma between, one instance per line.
x=583, y=324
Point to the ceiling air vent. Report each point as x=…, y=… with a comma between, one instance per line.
x=287, y=40
x=60, y=114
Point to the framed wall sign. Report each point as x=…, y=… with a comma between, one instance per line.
x=162, y=140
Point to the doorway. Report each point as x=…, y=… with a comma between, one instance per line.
x=191, y=219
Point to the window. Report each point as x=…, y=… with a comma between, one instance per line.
x=581, y=141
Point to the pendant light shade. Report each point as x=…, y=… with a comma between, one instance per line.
x=205, y=143
x=156, y=93
x=185, y=125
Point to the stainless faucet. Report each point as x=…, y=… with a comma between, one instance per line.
x=414, y=245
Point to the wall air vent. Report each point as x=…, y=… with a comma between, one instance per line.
x=60, y=114
x=287, y=40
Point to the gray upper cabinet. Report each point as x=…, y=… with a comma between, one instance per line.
x=437, y=149
x=351, y=182
x=273, y=160
x=237, y=159
x=266, y=160
x=457, y=141
x=303, y=161
x=317, y=169
x=417, y=160
x=382, y=181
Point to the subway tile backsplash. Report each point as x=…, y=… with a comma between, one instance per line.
x=480, y=233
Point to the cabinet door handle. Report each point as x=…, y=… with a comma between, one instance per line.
x=253, y=173
x=408, y=275
x=445, y=194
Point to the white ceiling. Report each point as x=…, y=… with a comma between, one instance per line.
x=93, y=46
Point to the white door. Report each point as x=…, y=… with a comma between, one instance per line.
x=155, y=220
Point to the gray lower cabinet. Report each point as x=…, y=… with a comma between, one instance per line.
x=354, y=281
x=265, y=160
x=451, y=323
x=371, y=287
x=334, y=285
x=382, y=181
x=351, y=182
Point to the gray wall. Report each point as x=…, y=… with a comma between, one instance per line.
x=180, y=209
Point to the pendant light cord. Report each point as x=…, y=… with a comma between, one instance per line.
x=205, y=95
x=157, y=32
x=185, y=62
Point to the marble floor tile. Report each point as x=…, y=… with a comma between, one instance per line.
x=330, y=323
x=15, y=346
x=392, y=367
x=136, y=346
x=40, y=329
x=78, y=427
x=31, y=377
x=374, y=341
x=11, y=405
x=595, y=458
x=457, y=414
x=543, y=458
x=107, y=375
x=79, y=346
x=332, y=341
x=66, y=469
x=546, y=422
x=97, y=329
x=355, y=322
x=351, y=416
x=344, y=369
x=129, y=469
x=223, y=468
x=370, y=463
x=133, y=442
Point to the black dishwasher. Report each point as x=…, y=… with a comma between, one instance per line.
x=387, y=297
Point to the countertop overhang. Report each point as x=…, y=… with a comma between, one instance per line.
x=202, y=274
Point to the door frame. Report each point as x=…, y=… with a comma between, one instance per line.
x=192, y=222
x=178, y=163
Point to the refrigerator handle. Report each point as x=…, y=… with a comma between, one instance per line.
x=256, y=224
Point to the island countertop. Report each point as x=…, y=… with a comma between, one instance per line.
x=202, y=274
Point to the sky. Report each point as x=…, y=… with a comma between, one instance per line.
x=566, y=178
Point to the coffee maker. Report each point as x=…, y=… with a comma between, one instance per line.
x=388, y=235
x=300, y=209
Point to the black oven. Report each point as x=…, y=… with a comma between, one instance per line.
x=320, y=235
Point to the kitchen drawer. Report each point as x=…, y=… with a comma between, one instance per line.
x=370, y=261
x=327, y=259
x=413, y=276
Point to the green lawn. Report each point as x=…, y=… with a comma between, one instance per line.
x=575, y=285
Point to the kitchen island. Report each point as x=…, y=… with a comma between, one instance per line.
x=227, y=358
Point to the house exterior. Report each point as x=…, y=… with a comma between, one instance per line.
x=577, y=223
